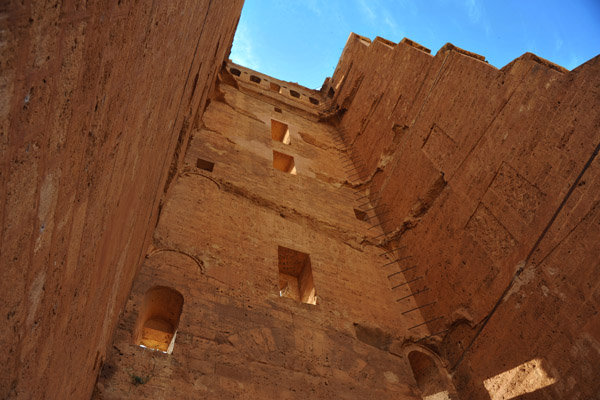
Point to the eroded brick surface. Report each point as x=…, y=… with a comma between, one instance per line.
x=478, y=236
x=516, y=149
x=217, y=243
x=94, y=102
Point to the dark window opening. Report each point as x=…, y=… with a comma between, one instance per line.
x=277, y=109
x=295, y=94
x=255, y=79
x=235, y=71
x=205, y=165
x=313, y=100
x=361, y=215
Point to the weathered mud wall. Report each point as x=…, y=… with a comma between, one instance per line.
x=217, y=244
x=490, y=178
x=97, y=98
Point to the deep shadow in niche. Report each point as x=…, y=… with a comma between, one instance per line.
x=429, y=379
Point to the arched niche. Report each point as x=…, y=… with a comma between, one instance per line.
x=159, y=318
x=430, y=375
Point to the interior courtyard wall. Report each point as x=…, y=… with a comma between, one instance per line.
x=488, y=175
x=95, y=105
x=217, y=243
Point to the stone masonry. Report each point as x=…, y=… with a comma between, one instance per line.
x=174, y=225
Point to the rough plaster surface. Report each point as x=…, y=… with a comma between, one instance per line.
x=491, y=179
x=94, y=106
x=217, y=243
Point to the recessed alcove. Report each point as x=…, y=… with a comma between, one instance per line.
x=313, y=101
x=295, y=94
x=295, y=276
x=428, y=376
x=158, y=320
x=255, y=79
x=235, y=71
x=361, y=215
x=280, y=132
x=284, y=163
x=205, y=165
x=274, y=87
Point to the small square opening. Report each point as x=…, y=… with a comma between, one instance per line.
x=205, y=165
x=295, y=94
x=284, y=163
x=295, y=276
x=360, y=214
x=280, y=132
x=277, y=109
x=255, y=79
x=313, y=101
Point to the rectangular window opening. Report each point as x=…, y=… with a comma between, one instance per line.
x=277, y=109
x=280, y=132
x=360, y=214
x=295, y=276
x=274, y=87
x=284, y=163
x=205, y=165
x=295, y=94
x=255, y=79
x=313, y=101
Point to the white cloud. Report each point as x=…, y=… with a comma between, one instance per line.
x=558, y=43
x=242, y=51
x=476, y=14
x=474, y=10
x=368, y=11
x=314, y=6
x=390, y=21
x=376, y=13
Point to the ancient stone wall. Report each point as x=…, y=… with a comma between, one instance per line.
x=315, y=239
x=490, y=178
x=232, y=224
x=97, y=102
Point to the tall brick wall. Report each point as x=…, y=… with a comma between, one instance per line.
x=97, y=99
x=217, y=244
x=491, y=180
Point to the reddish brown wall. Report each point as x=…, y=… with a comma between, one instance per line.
x=488, y=178
x=97, y=97
x=217, y=244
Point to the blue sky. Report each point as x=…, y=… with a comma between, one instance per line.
x=301, y=40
